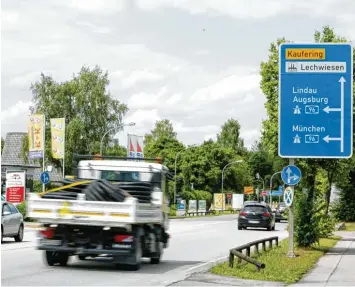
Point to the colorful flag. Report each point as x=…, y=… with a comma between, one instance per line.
x=135, y=146
x=58, y=137
x=35, y=125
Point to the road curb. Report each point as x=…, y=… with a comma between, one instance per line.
x=204, y=267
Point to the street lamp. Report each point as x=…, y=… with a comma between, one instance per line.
x=271, y=183
x=176, y=157
x=260, y=179
x=228, y=164
x=121, y=126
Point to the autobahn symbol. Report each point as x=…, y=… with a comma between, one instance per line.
x=288, y=196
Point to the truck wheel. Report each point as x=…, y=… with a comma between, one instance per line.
x=63, y=258
x=81, y=257
x=54, y=257
x=156, y=259
x=138, y=256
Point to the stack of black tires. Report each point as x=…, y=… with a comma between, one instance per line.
x=103, y=190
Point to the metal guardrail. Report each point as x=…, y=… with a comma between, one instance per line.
x=247, y=247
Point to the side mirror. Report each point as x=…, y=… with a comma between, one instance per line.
x=5, y=213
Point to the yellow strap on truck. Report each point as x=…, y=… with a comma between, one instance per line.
x=65, y=186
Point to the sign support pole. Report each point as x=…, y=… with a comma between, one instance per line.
x=44, y=149
x=291, y=218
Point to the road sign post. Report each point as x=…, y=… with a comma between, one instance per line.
x=315, y=107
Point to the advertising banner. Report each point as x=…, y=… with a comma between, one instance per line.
x=192, y=205
x=219, y=201
x=58, y=137
x=15, y=186
x=248, y=190
x=181, y=207
x=202, y=205
x=35, y=126
x=135, y=146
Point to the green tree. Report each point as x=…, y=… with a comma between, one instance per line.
x=230, y=137
x=202, y=166
x=87, y=106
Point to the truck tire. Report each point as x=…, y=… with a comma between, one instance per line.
x=156, y=259
x=54, y=257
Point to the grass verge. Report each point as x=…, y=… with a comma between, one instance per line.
x=350, y=226
x=279, y=267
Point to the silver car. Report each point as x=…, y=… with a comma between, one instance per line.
x=11, y=222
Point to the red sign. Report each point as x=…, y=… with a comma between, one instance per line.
x=15, y=186
x=264, y=193
x=229, y=195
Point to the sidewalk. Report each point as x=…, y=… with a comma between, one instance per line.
x=337, y=267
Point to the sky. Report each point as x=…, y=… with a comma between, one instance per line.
x=194, y=62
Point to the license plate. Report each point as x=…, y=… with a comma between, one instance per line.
x=254, y=221
x=51, y=242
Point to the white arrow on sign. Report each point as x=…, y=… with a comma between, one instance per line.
x=289, y=177
x=328, y=139
x=341, y=110
x=328, y=109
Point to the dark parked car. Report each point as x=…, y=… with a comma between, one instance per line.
x=280, y=212
x=256, y=215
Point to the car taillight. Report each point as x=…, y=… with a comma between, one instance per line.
x=243, y=213
x=123, y=238
x=48, y=233
x=266, y=214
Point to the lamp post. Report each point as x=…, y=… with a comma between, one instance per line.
x=271, y=183
x=176, y=157
x=260, y=179
x=228, y=164
x=121, y=126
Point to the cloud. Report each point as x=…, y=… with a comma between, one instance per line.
x=162, y=65
x=138, y=77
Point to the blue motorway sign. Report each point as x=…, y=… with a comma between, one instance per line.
x=45, y=177
x=316, y=100
x=291, y=175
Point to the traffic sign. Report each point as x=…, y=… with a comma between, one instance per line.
x=288, y=196
x=291, y=175
x=45, y=177
x=316, y=100
x=264, y=193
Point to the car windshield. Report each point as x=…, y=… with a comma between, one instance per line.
x=255, y=208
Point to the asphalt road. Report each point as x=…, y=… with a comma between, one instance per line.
x=193, y=242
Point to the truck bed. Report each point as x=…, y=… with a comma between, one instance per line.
x=93, y=213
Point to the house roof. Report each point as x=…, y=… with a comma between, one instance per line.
x=12, y=152
x=12, y=156
x=55, y=175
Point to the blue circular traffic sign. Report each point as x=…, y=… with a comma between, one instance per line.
x=45, y=177
x=291, y=175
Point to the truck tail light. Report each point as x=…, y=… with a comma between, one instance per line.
x=47, y=233
x=123, y=238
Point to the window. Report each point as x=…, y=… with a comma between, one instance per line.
x=5, y=208
x=122, y=176
x=12, y=208
x=254, y=208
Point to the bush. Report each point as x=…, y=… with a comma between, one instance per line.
x=22, y=208
x=172, y=210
